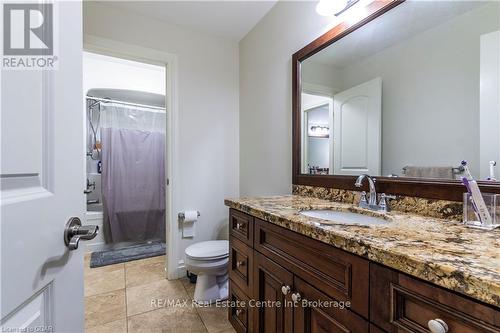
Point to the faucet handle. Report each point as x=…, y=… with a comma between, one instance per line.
x=383, y=204
x=363, y=201
x=363, y=198
x=388, y=196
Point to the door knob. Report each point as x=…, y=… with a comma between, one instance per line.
x=437, y=326
x=296, y=297
x=74, y=231
x=285, y=290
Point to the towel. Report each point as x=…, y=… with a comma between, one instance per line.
x=429, y=172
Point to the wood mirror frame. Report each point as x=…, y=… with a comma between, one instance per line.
x=415, y=187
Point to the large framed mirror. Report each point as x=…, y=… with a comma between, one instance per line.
x=404, y=93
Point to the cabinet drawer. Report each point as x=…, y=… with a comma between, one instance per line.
x=239, y=312
x=400, y=303
x=241, y=226
x=338, y=274
x=241, y=264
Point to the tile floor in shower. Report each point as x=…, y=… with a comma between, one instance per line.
x=118, y=299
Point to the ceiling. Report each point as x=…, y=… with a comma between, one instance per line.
x=406, y=20
x=226, y=19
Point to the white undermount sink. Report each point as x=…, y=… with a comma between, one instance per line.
x=343, y=217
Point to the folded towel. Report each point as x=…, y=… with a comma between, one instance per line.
x=429, y=172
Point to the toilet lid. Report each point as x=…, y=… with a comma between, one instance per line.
x=208, y=250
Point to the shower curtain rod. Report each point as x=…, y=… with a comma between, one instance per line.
x=98, y=99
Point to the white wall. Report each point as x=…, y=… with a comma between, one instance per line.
x=208, y=144
x=266, y=94
x=100, y=71
x=320, y=74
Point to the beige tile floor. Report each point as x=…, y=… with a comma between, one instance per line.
x=118, y=300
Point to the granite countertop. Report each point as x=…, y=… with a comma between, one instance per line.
x=442, y=252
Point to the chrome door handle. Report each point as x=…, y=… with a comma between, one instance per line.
x=74, y=231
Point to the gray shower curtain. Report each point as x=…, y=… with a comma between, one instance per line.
x=133, y=184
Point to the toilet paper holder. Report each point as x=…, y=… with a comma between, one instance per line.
x=181, y=215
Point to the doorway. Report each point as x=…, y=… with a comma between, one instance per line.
x=125, y=158
x=169, y=61
x=126, y=116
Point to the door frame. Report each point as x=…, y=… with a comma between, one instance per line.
x=323, y=91
x=122, y=50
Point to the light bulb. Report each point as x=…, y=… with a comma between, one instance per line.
x=330, y=7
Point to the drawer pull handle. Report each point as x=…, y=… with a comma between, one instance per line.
x=240, y=263
x=296, y=297
x=239, y=226
x=437, y=326
x=239, y=312
x=285, y=290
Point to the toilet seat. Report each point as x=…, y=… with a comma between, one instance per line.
x=208, y=251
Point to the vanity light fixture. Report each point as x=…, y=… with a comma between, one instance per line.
x=319, y=131
x=333, y=7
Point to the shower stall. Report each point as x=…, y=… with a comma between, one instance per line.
x=125, y=154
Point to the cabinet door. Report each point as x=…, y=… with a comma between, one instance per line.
x=269, y=278
x=318, y=313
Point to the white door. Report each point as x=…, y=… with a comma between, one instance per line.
x=41, y=174
x=357, y=129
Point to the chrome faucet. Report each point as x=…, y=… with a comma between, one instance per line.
x=371, y=203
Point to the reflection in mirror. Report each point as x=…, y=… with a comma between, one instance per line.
x=409, y=94
x=317, y=112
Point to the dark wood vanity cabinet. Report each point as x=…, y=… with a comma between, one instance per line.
x=334, y=291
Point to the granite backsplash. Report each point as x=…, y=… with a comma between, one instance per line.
x=450, y=210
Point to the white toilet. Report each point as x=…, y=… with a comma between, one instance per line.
x=209, y=261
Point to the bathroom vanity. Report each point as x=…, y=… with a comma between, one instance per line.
x=384, y=93
x=409, y=275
